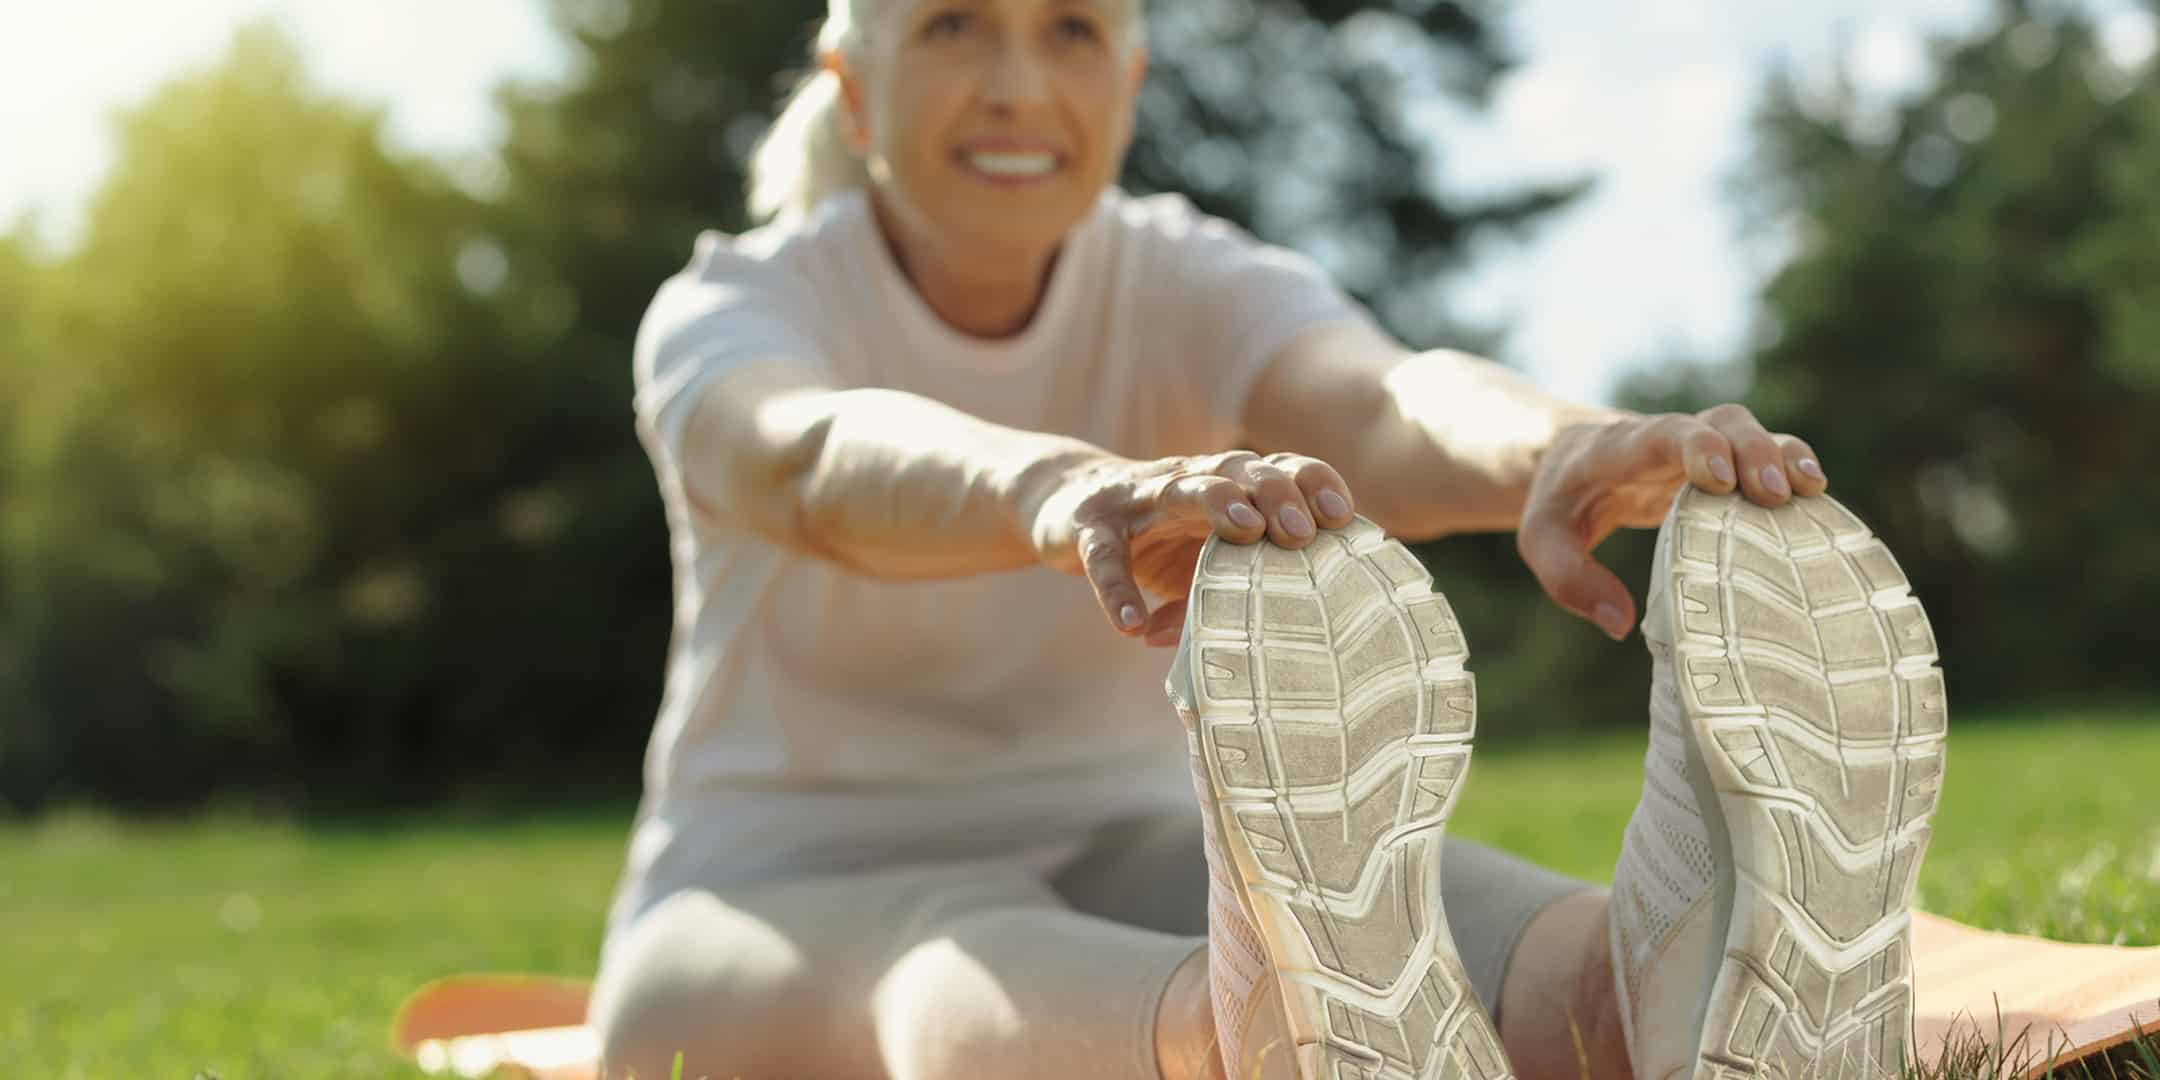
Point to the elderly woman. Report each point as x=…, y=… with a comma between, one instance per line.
x=941, y=446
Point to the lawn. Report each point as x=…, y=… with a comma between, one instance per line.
x=248, y=949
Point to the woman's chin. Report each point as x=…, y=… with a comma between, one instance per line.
x=1026, y=228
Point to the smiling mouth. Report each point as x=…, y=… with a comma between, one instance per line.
x=1012, y=164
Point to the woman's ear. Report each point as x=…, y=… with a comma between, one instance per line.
x=855, y=125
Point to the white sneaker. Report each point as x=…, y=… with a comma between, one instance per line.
x=1761, y=909
x=1330, y=718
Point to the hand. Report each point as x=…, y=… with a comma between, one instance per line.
x=1132, y=525
x=1597, y=477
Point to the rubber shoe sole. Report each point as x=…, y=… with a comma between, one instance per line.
x=1808, y=674
x=1334, y=726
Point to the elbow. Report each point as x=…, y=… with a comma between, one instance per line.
x=782, y=484
x=756, y=468
x=801, y=511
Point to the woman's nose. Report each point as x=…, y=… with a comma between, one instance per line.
x=1016, y=78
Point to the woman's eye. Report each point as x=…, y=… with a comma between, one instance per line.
x=1078, y=29
x=946, y=22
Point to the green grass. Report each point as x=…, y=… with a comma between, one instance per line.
x=271, y=951
x=266, y=950
x=2048, y=825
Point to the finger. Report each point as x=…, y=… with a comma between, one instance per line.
x=1290, y=520
x=1703, y=453
x=1167, y=625
x=1675, y=445
x=1107, y=561
x=1575, y=581
x=1802, y=464
x=1761, y=461
x=1323, y=488
x=1222, y=502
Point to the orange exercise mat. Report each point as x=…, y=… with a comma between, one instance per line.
x=2069, y=1001
x=2073, y=1000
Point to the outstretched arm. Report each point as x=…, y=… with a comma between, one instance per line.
x=1443, y=442
x=894, y=485
x=1433, y=443
x=884, y=483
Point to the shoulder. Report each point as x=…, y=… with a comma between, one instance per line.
x=776, y=255
x=771, y=270
x=754, y=295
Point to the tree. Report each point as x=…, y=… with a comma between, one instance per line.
x=1307, y=122
x=24, y=749
x=290, y=520
x=1967, y=335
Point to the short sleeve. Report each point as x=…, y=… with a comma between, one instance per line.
x=726, y=312
x=1242, y=301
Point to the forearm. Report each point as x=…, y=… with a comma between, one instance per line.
x=1457, y=443
x=896, y=485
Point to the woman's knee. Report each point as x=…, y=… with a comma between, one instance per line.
x=940, y=1012
x=697, y=978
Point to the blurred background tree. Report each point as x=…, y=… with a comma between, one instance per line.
x=1970, y=334
x=333, y=498
x=318, y=484
x=1967, y=329
x=272, y=531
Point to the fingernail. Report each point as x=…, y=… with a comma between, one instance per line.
x=1614, y=622
x=1333, y=505
x=1811, y=467
x=1773, y=477
x=1295, y=521
x=1722, y=469
x=1245, y=517
x=1131, y=617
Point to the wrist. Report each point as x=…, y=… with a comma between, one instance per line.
x=1036, y=478
x=1515, y=470
x=1574, y=421
x=1589, y=418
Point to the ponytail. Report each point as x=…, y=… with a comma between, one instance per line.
x=805, y=157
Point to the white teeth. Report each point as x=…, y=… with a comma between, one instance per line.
x=1036, y=164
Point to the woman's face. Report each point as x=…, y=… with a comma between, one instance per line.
x=996, y=123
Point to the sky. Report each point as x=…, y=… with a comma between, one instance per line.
x=1649, y=97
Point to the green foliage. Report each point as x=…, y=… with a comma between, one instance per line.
x=319, y=468
x=1968, y=336
x=291, y=516
x=1305, y=122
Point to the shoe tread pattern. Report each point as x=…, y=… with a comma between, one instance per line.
x=1809, y=673
x=1336, y=719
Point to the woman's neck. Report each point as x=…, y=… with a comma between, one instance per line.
x=982, y=294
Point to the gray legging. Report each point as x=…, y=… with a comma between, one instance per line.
x=1047, y=966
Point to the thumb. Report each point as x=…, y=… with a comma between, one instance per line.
x=1573, y=579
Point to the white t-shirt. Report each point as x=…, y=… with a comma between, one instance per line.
x=815, y=720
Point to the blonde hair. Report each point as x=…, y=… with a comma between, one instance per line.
x=804, y=157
